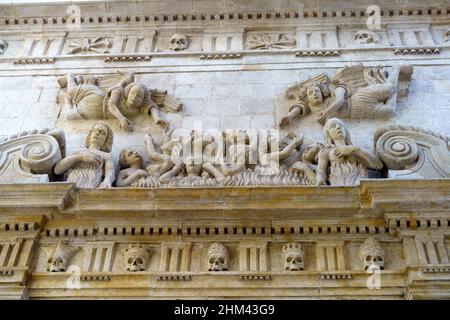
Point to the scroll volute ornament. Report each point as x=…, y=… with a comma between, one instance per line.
x=410, y=152
x=30, y=156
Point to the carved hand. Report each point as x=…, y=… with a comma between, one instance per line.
x=342, y=152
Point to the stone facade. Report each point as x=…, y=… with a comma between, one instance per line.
x=341, y=122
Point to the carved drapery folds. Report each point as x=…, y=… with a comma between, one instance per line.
x=354, y=92
x=29, y=157
x=117, y=96
x=410, y=152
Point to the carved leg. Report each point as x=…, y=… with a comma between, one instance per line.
x=208, y=167
x=165, y=178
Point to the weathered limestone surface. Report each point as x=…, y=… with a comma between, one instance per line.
x=380, y=233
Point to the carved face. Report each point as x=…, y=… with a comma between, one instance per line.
x=366, y=37
x=99, y=135
x=336, y=131
x=373, y=262
x=129, y=157
x=57, y=263
x=311, y=153
x=314, y=95
x=217, y=262
x=178, y=42
x=293, y=261
x=136, y=96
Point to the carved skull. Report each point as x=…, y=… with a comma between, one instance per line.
x=136, y=257
x=217, y=257
x=59, y=258
x=3, y=46
x=293, y=255
x=367, y=37
x=178, y=42
x=372, y=254
x=447, y=35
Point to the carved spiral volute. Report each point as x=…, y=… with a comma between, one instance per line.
x=397, y=150
x=39, y=154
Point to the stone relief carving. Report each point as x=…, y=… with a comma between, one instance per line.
x=367, y=37
x=218, y=257
x=447, y=35
x=29, y=157
x=354, y=92
x=136, y=257
x=410, y=152
x=96, y=45
x=270, y=41
x=293, y=256
x=340, y=162
x=372, y=254
x=59, y=256
x=118, y=96
x=3, y=46
x=179, y=42
x=92, y=167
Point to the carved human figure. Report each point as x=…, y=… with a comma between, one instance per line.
x=372, y=254
x=119, y=96
x=59, y=256
x=348, y=163
x=241, y=152
x=307, y=167
x=293, y=257
x=218, y=257
x=94, y=166
x=132, y=174
x=136, y=257
x=166, y=163
x=274, y=151
x=358, y=92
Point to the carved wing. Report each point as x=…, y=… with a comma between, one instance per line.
x=107, y=82
x=165, y=101
x=298, y=91
x=352, y=77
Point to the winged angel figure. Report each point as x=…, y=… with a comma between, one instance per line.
x=118, y=95
x=354, y=92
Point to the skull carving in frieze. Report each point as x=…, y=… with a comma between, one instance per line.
x=218, y=257
x=59, y=257
x=178, y=42
x=136, y=257
x=372, y=254
x=367, y=37
x=447, y=35
x=293, y=256
x=3, y=46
